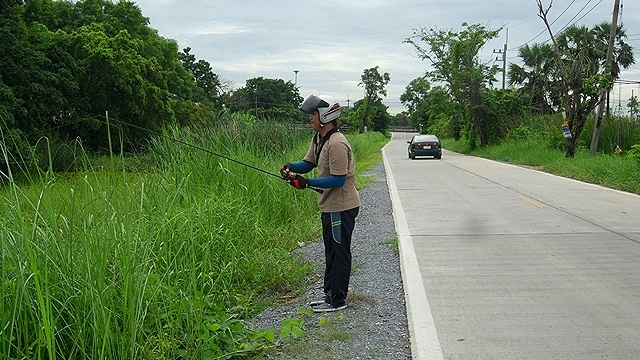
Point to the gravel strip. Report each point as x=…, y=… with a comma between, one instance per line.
x=374, y=325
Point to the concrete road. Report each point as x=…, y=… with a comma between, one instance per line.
x=503, y=262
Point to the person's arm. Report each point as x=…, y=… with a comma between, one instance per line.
x=301, y=167
x=331, y=181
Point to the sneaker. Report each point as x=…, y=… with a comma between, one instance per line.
x=324, y=307
x=325, y=299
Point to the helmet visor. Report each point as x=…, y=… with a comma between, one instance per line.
x=312, y=103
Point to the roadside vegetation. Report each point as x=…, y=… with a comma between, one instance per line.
x=107, y=263
x=540, y=145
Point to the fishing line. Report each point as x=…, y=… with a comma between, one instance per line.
x=106, y=122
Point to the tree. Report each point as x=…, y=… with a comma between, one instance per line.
x=374, y=90
x=582, y=78
x=415, y=93
x=622, y=56
x=401, y=119
x=208, y=85
x=68, y=62
x=38, y=72
x=379, y=117
x=537, y=76
x=507, y=107
x=443, y=113
x=413, y=98
x=454, y=57
x=268, y=99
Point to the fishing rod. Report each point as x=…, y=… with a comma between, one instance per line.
x=320, y=191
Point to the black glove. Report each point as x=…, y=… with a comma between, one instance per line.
x=299, y=182
x=285, y=170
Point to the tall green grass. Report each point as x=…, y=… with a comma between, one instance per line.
x=366, y=149
x=107, y=264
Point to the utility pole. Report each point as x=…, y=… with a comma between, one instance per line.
x=612, y=36
x=504, y=60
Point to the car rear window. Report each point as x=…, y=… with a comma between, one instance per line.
x=425, y=138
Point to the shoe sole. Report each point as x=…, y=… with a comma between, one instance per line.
x=329, y=309
x=316, y=303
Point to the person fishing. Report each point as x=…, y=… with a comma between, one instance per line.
x=339, y=201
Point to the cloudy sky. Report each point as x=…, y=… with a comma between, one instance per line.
x=331, y=42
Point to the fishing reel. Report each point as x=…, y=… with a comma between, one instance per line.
x=296, y=180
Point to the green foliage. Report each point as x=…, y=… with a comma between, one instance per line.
x=291, y=327
x=611, y=170
x=67, y=63
x=454, y=58
x=537, y=76
x=378, y=118
x=208, y=89
x=441, y=126
x=224, y=336
x=522, y=132
x=415, y=99
x=366, y=148
x=415, y=93
x=505, y=110
x=374, y=91
x=107, y=264
x=272, y=99
x=354, y=119
x=189, y=113
x=634, y=152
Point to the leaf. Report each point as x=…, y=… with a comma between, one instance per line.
x=297, y=332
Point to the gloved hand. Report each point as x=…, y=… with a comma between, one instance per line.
x=285, y=170
x=298, y=182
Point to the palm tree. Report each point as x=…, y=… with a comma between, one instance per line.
x=536, y=75
x=622, y=52
x=622, y=56
x=583, y=52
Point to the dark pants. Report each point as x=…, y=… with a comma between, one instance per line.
x=336, y=232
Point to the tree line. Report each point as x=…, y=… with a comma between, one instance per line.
x=66, y=65
x=566, y=78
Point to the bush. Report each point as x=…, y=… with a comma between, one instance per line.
x=522, y=132
x=634, y=153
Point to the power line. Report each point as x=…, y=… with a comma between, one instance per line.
x=569, y=23
x=543, y=31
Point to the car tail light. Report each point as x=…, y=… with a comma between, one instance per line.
x=427, y=144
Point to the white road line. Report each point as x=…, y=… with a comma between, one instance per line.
x=424, y=338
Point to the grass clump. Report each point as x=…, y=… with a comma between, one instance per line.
x=366, y=149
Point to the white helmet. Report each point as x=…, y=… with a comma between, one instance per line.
x=328, y=107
